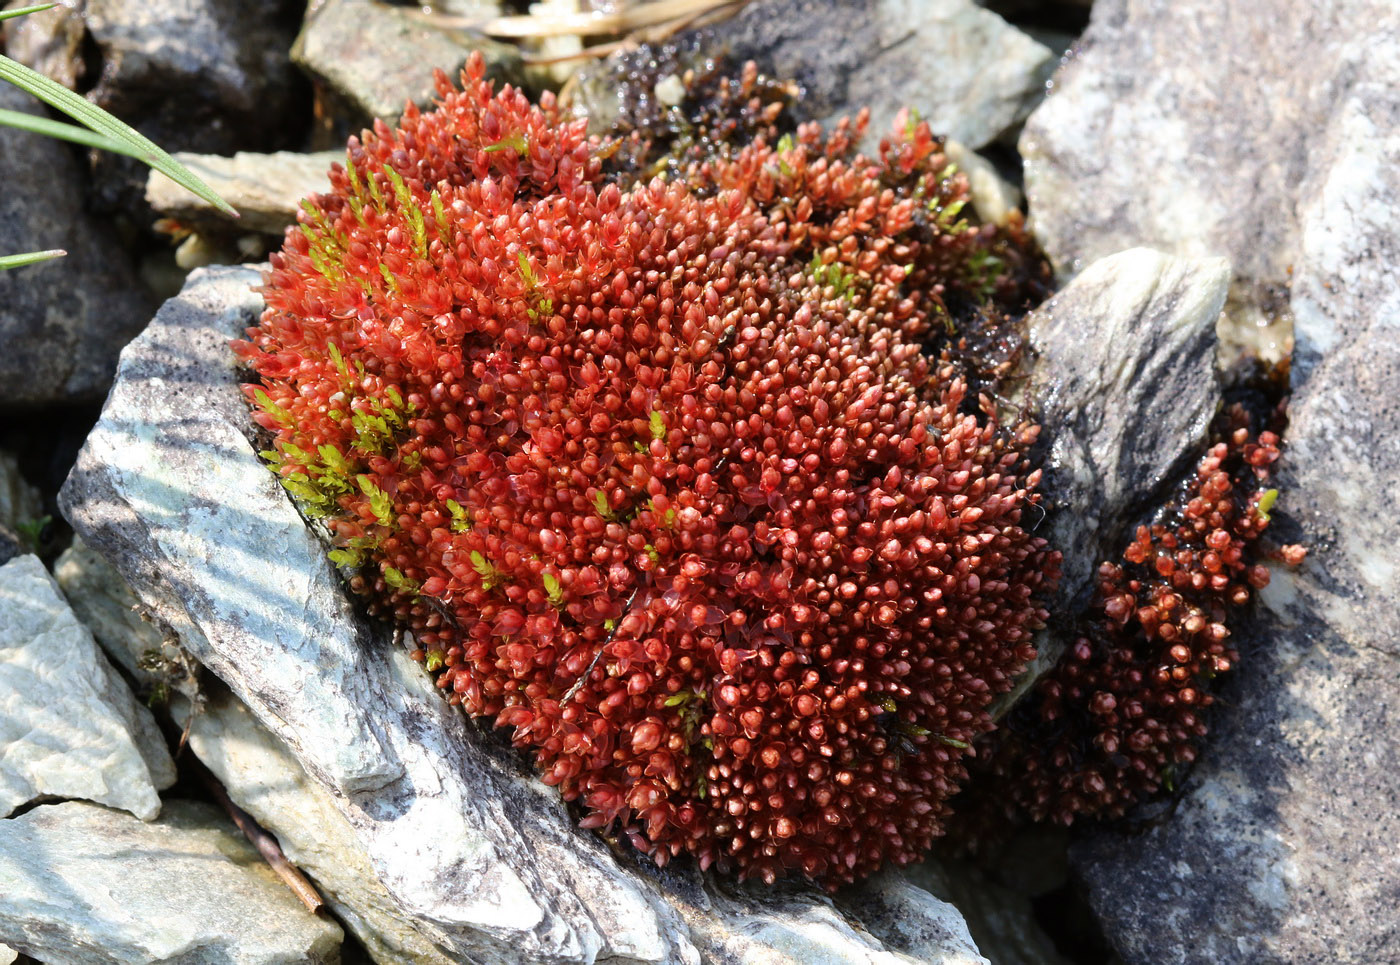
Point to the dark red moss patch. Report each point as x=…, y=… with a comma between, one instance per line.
x=1124, y=709
x=658, y=473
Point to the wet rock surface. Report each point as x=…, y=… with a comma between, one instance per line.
x=1271, y=133
x=482, y=857
x=969, y=73
x=69, y=726
x=1124, y=381
x=199, y=894
x=62, y=323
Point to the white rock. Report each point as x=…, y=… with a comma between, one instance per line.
x=481, y=856
x=7, y=955
x=69, y=726
x=84, y=885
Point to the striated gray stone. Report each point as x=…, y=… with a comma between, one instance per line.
x=1124, y=380
x=61, y=323
x=69, y=726
x=375, y=57
x=483, y=858
x=264, y=779
x=969, y=73
x=265, y=189
x=1271, y=134
x=83, y=885
x=100, y=598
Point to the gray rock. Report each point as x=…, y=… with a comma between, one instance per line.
x=1124, y=381
x=968, y=72
x=483, y=858
x=1124, y=377
x=266, y=189
x=62, y=323
x=374, y=58
x=1001, y=921
x=212, y=76
x=69, y=726
x=1281, y=848
x=83, y=885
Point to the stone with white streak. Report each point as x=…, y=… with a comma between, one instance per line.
x=483, y=858
x=1266, y=133
x=84, y=885
x=69, y=726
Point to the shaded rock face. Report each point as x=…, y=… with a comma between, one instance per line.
x=69, y=727
x=483, y=859
x=1271, y=137
x=199, y=894
x=20, y=506
x=970, y=74
x=61, y=323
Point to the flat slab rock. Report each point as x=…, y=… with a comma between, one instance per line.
x=69, y=726
x=482, y=857
x=84, y=885
x=1271, y=133
x=265, y=189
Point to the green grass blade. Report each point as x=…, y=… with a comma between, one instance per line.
x=29, y=258
x=7, y=14
x=67, y=132
x=95, y=118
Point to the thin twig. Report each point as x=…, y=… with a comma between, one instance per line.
x=267, y=846
x=578, y=684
